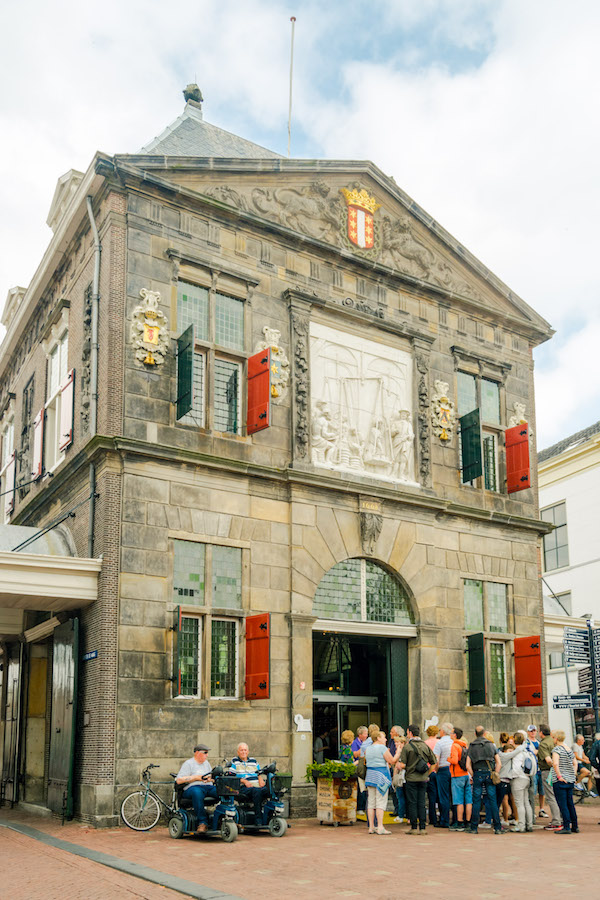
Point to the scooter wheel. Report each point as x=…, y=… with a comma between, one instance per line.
x=229, y=831
x=277, y=826
x=176, y=828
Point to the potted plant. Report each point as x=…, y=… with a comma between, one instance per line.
x=336, y=791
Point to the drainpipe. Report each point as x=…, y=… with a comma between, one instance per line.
x=93, y=369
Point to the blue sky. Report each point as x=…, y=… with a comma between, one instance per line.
x=484, y=112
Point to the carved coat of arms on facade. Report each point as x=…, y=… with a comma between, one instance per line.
x=361, y=229
x=149, y=330
x=443, y=415
x=280, y=364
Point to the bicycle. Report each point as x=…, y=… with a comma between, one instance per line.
x=141, y=810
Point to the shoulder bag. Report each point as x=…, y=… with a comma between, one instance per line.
x=421, y=767
x=495, y=778
x=361, y=767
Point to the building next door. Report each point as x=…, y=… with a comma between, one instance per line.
x=357, y=680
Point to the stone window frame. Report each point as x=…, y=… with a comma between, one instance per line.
x=229, y=281
x=58, y=338
x=484, y=369
x=7, y=430
x=207, y=612
x=504, y=638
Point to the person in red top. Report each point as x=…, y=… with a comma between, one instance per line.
x=460, y=783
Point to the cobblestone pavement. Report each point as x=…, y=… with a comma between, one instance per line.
x=309, y=860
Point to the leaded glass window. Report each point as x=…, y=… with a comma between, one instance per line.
x=223, y=658
x=188, y=573
x=229, y=322
x=467, y=393
x=227, y=577
x=490, y=402
x=360, y=590
x=489, y=462
x=192, y=309
x=497, y=673
x=189, y=655
x=473, y=601
x=556, y=546
x=497, y=607
x=196, y=414
x=227, y=396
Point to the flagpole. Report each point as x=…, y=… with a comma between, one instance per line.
x=293, y=21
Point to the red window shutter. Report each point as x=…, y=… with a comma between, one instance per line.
x=259, y=391
x=38, y=444
x=258, y=640
x=518, y=473
x=66, y=411
x=528, y=671
x=8, y=482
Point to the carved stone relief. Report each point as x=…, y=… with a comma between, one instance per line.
x=422, y=364
x=300, y=329
x=86, y=352
x=518, y=417
x=370, y=529
x=149, y=330
x=443, y=414
x=313, y=210
x=361, y=416
x=280, y=364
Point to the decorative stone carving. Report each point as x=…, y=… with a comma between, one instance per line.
x=361, y=406
x=443, y=415
x=518, y=417
x=149, y=330
x=280, y=364
x=403, y=439
x=422, y=364
x=300, y=328
x=370, y=529
x=86, y=353
x=353, y=225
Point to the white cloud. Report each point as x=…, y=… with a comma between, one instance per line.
x=502, y=150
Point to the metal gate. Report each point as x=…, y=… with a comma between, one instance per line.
x=64, y=710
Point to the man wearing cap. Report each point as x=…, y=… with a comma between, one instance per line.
x=195, y=776
x=532, y=744
x=252, y=784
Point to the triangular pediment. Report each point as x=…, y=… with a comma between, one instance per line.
x=66, y=188
x=358, y=210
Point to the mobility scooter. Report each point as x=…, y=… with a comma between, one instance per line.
x=272, y=809
x=222, y=811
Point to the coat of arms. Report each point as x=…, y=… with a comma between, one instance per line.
x=280, y=366
x=149, y=330
x=443, y=415
x=361, y=222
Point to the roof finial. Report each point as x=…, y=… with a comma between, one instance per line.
x=193, y=94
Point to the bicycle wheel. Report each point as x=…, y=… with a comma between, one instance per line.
x=140, y=811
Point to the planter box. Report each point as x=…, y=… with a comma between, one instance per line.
x=336, y=800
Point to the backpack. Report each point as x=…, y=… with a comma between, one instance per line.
x=421, y=766
x=529, y=764
x=464, y=755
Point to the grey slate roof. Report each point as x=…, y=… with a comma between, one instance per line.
x=578, y=438
x=190, y=135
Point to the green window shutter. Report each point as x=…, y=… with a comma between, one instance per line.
x=470, y=442
x=476, y=657
x=185, y=372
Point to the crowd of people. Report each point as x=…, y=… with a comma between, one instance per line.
x=446, y=782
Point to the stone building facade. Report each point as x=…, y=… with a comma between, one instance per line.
x=346, y=520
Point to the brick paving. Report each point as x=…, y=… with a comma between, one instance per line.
x=308, y=860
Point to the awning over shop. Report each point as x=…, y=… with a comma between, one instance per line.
x=49, y=583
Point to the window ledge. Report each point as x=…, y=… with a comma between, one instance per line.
x=383, y=629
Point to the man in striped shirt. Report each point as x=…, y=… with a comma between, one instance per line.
x=252, y=785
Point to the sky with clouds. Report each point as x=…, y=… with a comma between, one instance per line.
x=484, y=111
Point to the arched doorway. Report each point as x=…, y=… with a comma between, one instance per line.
x=364, y=620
